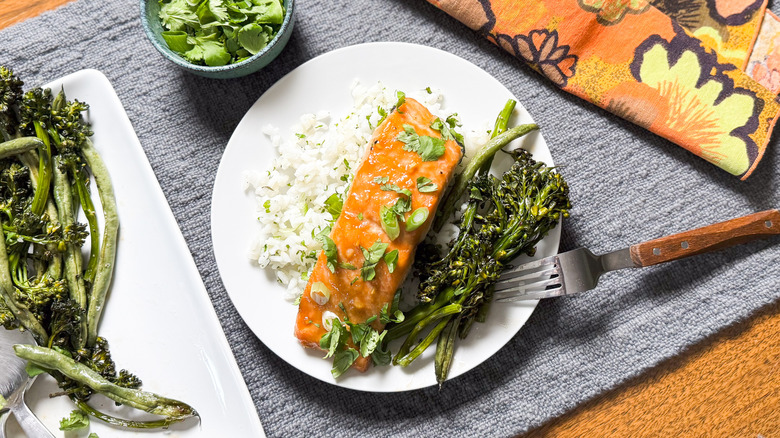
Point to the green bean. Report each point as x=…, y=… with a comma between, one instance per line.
x=107, y=257
x=424, y=344
x=462, y=179
x=19, y=146
x=146, y=401
x=502, y=121
x=63, y=196
x=445, y=351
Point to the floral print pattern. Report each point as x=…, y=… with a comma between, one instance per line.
x=692, y=97
x=683, y=81
x=541, y=50
x=609, y=12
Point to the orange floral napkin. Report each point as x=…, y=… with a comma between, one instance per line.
x=674, y=67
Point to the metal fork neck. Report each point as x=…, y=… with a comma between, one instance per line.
x=619, y=259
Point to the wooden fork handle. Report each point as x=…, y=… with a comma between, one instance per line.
x=705, y=239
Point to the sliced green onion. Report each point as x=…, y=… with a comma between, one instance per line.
x=417, y=218
x=327, y=319
x=389, y=222
x=319, y=293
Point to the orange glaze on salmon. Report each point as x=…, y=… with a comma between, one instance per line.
x=385, y=158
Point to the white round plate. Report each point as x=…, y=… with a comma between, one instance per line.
x=323, y=83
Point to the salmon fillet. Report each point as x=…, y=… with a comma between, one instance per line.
x=360, y=225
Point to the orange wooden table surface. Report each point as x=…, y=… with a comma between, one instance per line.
x=726, y=386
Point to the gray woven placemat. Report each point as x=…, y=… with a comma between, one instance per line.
x=627, y=186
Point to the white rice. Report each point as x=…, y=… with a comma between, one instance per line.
x=316, y=159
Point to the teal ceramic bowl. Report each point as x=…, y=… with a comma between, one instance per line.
x=150, y=10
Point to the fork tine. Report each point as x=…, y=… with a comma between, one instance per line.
x=520, y=279
x=537, y=295
x=517, y=287
x=526, y=267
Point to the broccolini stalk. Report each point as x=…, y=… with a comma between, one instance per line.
x=105, y=266
x=26, y=318
x=44, y=171
x=81, y=183
x=50, y=359
x=463, y=179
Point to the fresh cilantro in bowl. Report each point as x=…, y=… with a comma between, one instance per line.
x=219, y=32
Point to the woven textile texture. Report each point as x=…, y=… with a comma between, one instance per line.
x=627, y=186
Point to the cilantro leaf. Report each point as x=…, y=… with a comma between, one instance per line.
x=391, y=259
x=401, y=206
x=394, y=188
x=177, y=15
x=253, y=37
x=372, y=257
x=393, y=315
x=447, y=128
x=330, y=250
x=33, y=370
x=333, y=338
x=212, y=12
x=425, y=185
x=77, y=420
x=382, y=114
x=342, y=361
x=177, y=41
x=381, y=355
x=370, y=341
x=401, y=99
x=428, y=148
x=381, y=180
x=333, y=205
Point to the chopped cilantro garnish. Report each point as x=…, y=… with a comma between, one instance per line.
x=77, y=420
x=381, y=180
x=394, y=188
x=333, y=205
x=330, y=250
x=367, y=340
x=447, y=128
x=391, y=259
x=372, y=257
x=428, y=148
x=401, y=99
x=425, y=185
x=382, y=114
x=267, y=205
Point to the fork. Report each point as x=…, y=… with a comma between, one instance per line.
x=579, y=270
